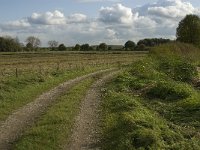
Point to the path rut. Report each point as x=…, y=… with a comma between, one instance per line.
x=12, y=128
x=85, y=135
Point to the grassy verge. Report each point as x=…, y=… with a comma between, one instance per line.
x=54, y=127
x=16, y=92
x=153, y=105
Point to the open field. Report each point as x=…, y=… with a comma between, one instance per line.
x=16, y=64
x=153, y=103
x=26, y=76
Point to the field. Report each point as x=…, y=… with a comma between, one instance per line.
x=145, y=100
x=25, y=76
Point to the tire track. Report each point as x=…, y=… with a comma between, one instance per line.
x=12, y=128
x=85, y=135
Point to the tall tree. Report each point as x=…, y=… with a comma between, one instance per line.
x=9, y=44
x=188, y=30
x=103, y=46
x=34, y=41
x=85, y=47
x=77, y=47
x=61, y=47
x=53, y=44
x=129, y=45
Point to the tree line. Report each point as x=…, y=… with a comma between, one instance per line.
x=188, y=31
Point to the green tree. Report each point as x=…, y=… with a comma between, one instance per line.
x=61, y=47
x=129, y=45
x=8, y=44
x=85, y=47
x=188, y=30
x=77, y=47
x=103, y=46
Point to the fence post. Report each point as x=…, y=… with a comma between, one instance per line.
x=16, y=73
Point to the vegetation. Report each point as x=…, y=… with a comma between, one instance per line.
x=61, y=47
x=153, y=42
x=153, y=104
x=8, y=44
x=53, y=44
x=102, y=47
x=55, y=126
x=85, y=47
x=129, y=45
x=188, y=30
x=24, y=76
x=33, y=42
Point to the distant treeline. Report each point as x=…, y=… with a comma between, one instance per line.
x=9, y=44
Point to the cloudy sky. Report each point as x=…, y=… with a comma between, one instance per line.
x=93, y=21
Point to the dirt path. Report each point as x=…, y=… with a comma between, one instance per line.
x=16, y=123
x=85, y=135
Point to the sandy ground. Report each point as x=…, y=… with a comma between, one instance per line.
x=85, y=135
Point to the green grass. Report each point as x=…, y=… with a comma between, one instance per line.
x=54, y=127
x=152, y=105
x=16, y=92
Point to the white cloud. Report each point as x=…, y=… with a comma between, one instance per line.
x=15, y=25
x=114, y=24
x=88, y=1
x=116, y=14
x=48, y=18
x=171, y=9
x=77, y=18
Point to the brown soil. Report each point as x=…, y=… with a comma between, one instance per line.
x=12, y=128
x=85, y=135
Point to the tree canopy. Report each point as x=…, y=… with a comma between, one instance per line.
x=34, y=41
x=8, y=44
x=153, y=42
x=129, y=45
x=103, y=46
x=61, y=47
x=188, y=30
x=53, y=44
x=85, y=47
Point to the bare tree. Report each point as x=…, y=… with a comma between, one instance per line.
x=53, y=44
x=34, y=41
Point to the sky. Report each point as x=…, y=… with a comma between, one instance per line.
x=93, y=21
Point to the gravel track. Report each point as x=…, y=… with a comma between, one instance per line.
x=12, y=128
x=85, y=135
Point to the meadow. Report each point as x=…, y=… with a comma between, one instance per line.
x=152, y=104
x=24, y=76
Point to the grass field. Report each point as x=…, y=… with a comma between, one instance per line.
x=24, y=76
x=153, y=104
x=55, y=126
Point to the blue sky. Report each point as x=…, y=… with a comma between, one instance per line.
x=93, y=21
